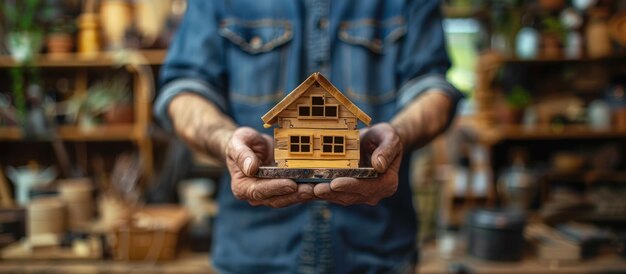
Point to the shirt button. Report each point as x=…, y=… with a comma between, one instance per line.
x=256, y=42
x=322, y=23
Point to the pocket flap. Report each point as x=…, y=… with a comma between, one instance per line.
x=256, y=36
x=372, y=34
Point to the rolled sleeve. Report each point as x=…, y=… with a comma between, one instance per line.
x=429, y=82
x=190, y=85
x=424, y=61
x=195, y=61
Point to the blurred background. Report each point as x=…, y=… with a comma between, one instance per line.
x=530, y=177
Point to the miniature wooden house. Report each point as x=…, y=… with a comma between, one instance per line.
x=316, y=127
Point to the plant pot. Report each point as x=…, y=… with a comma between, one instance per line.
x=551, y=46
x=551, y=5
x=59, y=44
x=24, y=45
x=509, y=115
x=119, y=114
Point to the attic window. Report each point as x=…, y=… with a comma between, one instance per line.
x=304, y=111
x=318, y=109
x=330, y=111
x=317, y=100
x=333, y=144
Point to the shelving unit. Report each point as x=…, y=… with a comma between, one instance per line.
x=484, y=130
x=77, y=60
x=137, y=63
x=492, y=135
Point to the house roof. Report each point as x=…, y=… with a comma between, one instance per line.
x=270, y=117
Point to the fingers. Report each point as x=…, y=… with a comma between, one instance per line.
x=346, y=184
x=252, y=189
x=304, y=193
x=324, y=191
x=370, y=190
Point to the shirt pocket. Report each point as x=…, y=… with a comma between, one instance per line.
x=256, y=55
x=369, y=50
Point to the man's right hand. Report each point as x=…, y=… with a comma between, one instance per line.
x=245, y=152
x=206, y=129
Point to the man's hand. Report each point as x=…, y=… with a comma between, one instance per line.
x=245, y=152
x=206, y=129
x=381, y=145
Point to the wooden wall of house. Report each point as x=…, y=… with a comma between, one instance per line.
x=316, y=158
x=288, y=118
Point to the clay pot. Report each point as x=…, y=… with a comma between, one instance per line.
x=119, y=114
x=551, y=5
x=510, y=116
x=59, y=44
x=551, y=46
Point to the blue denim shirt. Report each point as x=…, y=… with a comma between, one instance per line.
x=246, y=55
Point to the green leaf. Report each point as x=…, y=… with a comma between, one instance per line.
x=518, y=98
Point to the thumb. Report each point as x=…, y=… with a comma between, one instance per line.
x=386, y=152
x=243, y=156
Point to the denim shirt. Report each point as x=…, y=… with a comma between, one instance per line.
x=246, y=55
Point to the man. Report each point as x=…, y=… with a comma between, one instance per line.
x=234, y=60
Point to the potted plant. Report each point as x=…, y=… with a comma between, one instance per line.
x=552, y=38
x=24, y=38
x=60, y=39
x=108, y=101
x=516, y=102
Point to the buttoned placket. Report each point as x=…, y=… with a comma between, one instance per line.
x=318, y=37
x=317, y=247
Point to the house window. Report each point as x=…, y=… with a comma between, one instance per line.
x=333, y=144
x=300, y=144
x=304, y=110
x=317, y=106
x=318, y=109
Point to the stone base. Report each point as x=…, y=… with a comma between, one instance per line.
x=315, y=175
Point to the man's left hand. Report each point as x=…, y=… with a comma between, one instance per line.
x=382, y=146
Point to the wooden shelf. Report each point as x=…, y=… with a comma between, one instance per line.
x=602, y=218
x=104, y=59
x=75, y=133
x=612, y=59
x=500, y=133
x=10, y=133
x=587, y=176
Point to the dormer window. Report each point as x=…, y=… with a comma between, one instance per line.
x=318, y=109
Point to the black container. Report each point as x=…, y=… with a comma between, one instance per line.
x=12, y=225
x=496, y=235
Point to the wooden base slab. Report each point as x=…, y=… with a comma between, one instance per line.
x=315, y=175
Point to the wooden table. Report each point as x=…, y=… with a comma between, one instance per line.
x=431, y=263
x=200, y=263
x=186, y=263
